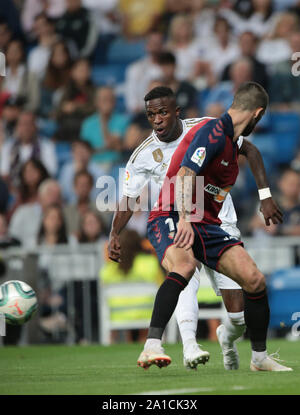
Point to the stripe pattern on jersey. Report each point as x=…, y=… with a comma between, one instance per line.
x=173, y=169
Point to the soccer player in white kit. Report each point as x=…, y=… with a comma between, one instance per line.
x=149, y=162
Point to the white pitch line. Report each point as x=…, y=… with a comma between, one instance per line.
x=192, y=390
x=176, y=391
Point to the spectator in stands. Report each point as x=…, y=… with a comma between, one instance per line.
x=138, y=18
x=276, y=48
x=4, y=196
x=83, y=185
x=26, y=144
x=241, y=71
x=215, y=110
x=285, y=86
x=31, y=175
x=92, y=228
x=53, y=229
x=136, y=266
x=295, y=164
x=203, y=14
x=105, y=129
x=255, y=16
x=5, y=35
x=52, y=232
x=39, y=56
x=91, y=231
x=77, y=26
x=218, y=52
x=181, y=42
x=55, y=79
x=26, y=220
x=106, y=15
x=12, y=108
x=248, y=44
x=77, y=101
x=289, y=202
x=288, y=199
x=186, y=94
x=6, y=240
x=52, y=9
x=171, y=9
x=19, y=82
x=81, y=160
x=140, y=73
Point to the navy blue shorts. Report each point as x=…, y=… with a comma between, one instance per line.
x=209, y=244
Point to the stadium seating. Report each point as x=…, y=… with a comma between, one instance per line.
x=108, y=74
x=286, y=130
x=284, y=296
x=124, y=51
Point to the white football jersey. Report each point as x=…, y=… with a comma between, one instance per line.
x=150, y=162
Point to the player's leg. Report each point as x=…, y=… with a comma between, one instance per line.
x=232, y=328
x=186, y=313
x=181, y=265
x=236, y=263
x=234, y=325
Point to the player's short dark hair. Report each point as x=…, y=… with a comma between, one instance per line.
x=159, y=92
x=166, y=58
x=250, y=96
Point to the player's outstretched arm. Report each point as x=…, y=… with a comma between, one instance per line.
x=121, y=217
x=268, y=207
x=185, y=186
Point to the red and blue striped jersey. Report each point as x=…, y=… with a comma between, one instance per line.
x=207, y=149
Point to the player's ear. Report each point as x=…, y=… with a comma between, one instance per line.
x=177, y=111
x=259, y=112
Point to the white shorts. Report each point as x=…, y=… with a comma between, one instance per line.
x=219, y=281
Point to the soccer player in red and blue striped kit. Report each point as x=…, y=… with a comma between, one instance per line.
x=209, y=150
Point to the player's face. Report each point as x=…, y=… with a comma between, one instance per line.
x=252, y=123
x=163, y=115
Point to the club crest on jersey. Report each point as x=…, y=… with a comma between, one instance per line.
x=199, y=156
x=158, y=155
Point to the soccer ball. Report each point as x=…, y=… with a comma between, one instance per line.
x=18, y=302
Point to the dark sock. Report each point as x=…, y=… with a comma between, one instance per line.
x=257, y=316
x=165, y=304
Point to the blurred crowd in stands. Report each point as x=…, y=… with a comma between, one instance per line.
x=72, y=108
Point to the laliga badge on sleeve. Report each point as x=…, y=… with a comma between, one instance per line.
x=199, y=156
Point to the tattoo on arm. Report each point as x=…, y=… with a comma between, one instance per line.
x=185, y=187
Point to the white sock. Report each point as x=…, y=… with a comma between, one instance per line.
x=258, y=356
x=187, y=312
x=152, y=344
x=234, y=327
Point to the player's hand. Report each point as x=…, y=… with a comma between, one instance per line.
x=271, y=211
x=114, y=247
x=184, y=237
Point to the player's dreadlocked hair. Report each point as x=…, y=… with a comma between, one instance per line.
x=250, y=96
x=159, y=92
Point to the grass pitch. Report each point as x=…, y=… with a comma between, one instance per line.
x=89, y=370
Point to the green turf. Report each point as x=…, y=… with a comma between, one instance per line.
x=112, y=370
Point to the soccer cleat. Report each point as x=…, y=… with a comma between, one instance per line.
x=230, y=354
x=194, y=356
x=153, y=357
x=270, y=364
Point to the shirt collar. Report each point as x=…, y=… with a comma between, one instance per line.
x=227, y=125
